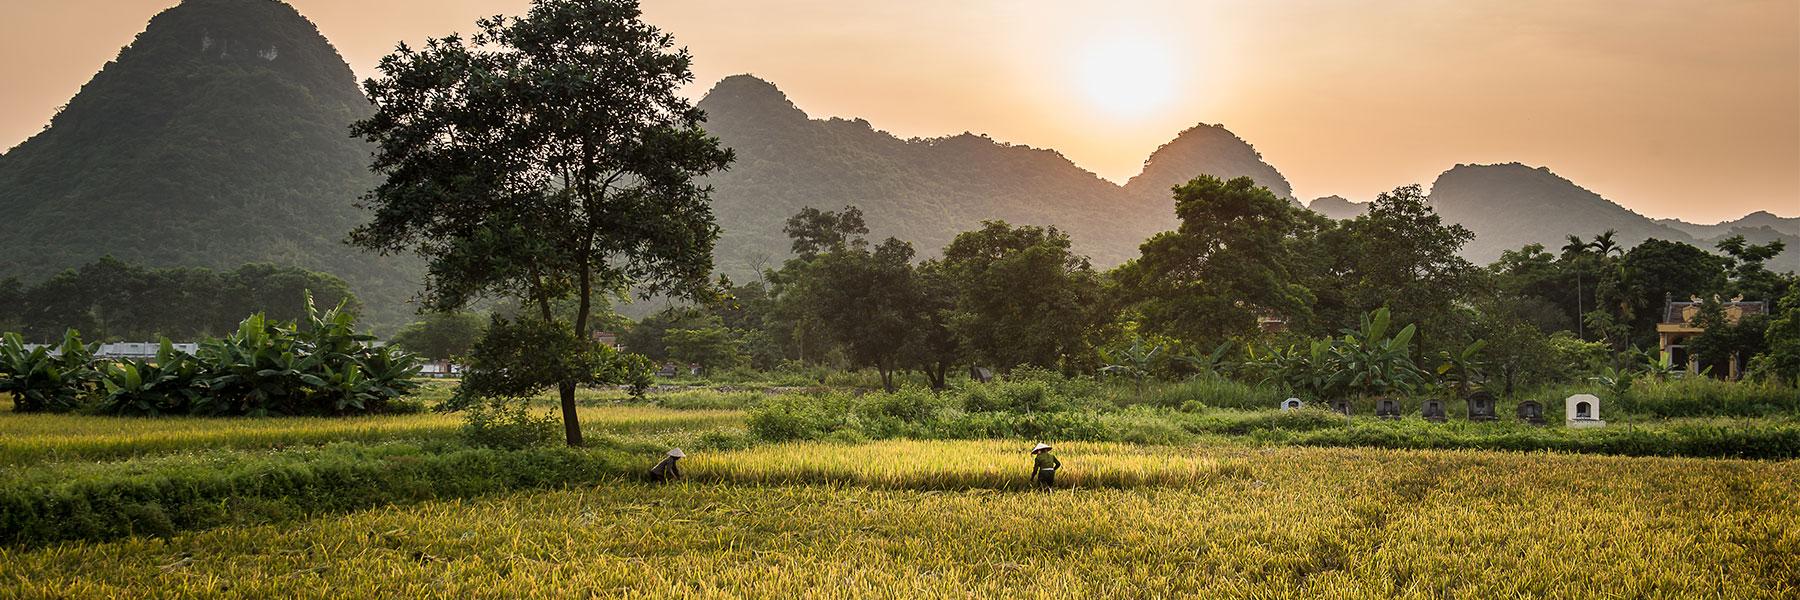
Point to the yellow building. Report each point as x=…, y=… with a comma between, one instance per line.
x=1677, y=327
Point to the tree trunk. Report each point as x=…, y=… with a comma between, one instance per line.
x=571, y=421
x=887, y=378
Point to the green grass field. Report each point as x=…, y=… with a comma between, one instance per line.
x=901, y=518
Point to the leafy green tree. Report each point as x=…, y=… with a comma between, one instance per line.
x=545, y=157
x=935, y=347
x=866, y=301
x=442, y=336
x=1229, y=262
x=1782, y=360
x=815, y=232
x=707, y=343
x=1660, y=270
x=520, y=359
x=1722, y=341
x=1399, y=255
x=1750, y=277
x=1023, y=296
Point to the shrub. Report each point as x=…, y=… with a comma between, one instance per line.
x=510, y=427
x=799, y=417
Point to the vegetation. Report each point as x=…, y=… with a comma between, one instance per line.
x=1290, y=523
x=264, y=368
x=190, y=151
x=112, y=301
x=548, y=157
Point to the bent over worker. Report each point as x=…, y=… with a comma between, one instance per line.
x=667, y=469
x=1044, y=466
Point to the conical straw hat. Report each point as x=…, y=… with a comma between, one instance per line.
x=677, y=453
x=1040, y=448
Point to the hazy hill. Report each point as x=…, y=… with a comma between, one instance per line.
x=927, y=190
x=1754, y=221
x=218, y=137
x=1510, y=205
x=1338, y=207
x=1208, y=149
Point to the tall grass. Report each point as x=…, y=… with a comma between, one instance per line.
x=963, y=465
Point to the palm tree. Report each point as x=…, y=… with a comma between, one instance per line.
x=1575, y=248
x=1572, y=253
x=1603, y=244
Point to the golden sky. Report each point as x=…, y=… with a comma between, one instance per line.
x=1674, y=108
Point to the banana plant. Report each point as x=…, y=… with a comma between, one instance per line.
x=1463, y=367
x=1135, y=361
x=169, y=385
x=1207, y=363
x=1368, y=362
x=44, y=380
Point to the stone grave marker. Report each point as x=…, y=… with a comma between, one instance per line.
x=1341, y=406
x=1531, y=411
x=1481, y=406
x=1387, y=408
x=1292, y=404
x=1583, y=410
x=1434, y=411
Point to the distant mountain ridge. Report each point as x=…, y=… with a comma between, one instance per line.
x=926, y=190
x=218, y=137
x=1510, y=205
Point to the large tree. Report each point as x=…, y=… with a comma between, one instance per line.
x=1023, y=296
x=1231, y=261
x=865, y=300
x=544, y=157
x=1401, y=255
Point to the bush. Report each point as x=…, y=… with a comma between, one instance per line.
x=509, y=427
x=165, y=496
x=793, y=417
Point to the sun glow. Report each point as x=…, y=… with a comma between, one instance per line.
x=1128, y=76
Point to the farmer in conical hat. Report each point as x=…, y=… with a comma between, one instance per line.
x=667, y=469
x=1044, y=466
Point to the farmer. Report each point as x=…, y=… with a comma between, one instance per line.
x=667, y=469
x=1044, y=466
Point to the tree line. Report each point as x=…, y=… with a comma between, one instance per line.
x=1244, y=271
x=111, y=300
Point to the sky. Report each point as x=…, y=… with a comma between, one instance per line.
x=1673, y=108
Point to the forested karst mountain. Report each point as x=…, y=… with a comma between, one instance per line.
x=927, y=190
x=920, y=190
x=1510, y=205
x=220, y=136
x=1208, y=149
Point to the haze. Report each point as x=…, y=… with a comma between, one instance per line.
x=1672, y=108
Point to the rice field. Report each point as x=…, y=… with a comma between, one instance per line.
x=882, y=521
x=29, y=439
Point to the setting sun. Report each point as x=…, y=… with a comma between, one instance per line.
x=1127, y=76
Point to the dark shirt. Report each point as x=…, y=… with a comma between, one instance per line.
x=666, y=468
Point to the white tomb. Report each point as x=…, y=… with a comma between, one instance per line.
x=1291, y=404
x=1583, y=410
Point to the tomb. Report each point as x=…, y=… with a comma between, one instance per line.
x=1387, y=408
x=1292, y=404
x=1481, y=406
x=1583, y=411
x=1434, y=411
x=1531, y=411
x=1341, y=407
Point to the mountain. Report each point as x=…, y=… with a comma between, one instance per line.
x=1338, y=207
x=1205, y=149
x=1511, y=205
x=218, y=137
x=926, y=190
x=1754, y=221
